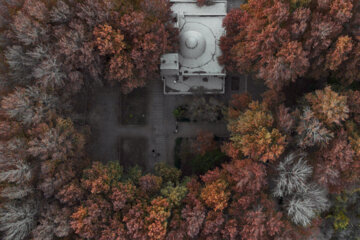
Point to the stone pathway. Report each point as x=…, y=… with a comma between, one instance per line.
x=159, y=130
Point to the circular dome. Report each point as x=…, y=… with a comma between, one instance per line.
x=192, y=44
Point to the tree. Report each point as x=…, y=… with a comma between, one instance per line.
x=214, y=223
x=284, y=119
x=253, y=133
x=238, y=104
x=329, y=106
x=335, y=162
x=194, y=215
x=158, y=213
x=54, y=221
x=302, y=208
x=16, y=192
x=205, y=110
x=13, y=165
x=311, y=131
x=353, y=101
x=30, y=105
x=134, y=220
x=167, y=173
x=293, y=175
x=17, y=219
x=131, y=42
x=56, y=143
x=246, y=176
x=60, y=13
x=215, y=195
x=286, y=41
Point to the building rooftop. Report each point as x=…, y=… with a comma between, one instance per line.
x=195, y=67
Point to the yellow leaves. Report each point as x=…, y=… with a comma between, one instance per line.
x=328, y=106
x=254, y=135
x=215, y=195
x=263, y=145
x=252, y=119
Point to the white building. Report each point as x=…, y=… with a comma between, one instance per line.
x=195, y=67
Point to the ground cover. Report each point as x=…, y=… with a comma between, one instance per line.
x=134, y=107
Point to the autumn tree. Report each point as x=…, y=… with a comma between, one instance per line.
x=311, y=131
x=54, y=221
x=17, y=219
x=335, y=163
x=254, y=134
x=286, y=41
x=133, y=40
x=328, y=106
x=30, y=106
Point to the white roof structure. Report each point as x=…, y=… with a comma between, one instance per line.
x=195, y=67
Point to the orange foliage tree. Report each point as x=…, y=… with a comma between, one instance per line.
x=254, y=135
x=283, y=41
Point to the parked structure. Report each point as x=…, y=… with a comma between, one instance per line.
x=195, y=68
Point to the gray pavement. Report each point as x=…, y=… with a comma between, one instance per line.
x=159, y=130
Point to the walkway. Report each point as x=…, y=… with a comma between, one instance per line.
x=159, y=130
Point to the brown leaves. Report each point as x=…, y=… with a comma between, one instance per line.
x=246, y=176
x=284, y=42
x=329, y=106
x=340, y=53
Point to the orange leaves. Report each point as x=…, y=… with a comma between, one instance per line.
x=290, y=63
x=284, y=41
x=134, y=42
x=215, y=195
x=157, y=220
x=96, y=179
x=263, y=145
x=108, y=41
x=246, y=176
x=342, y=10
x=238, y=102
x=329, y=106
x=343, y=47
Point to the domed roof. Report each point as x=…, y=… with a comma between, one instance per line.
x=192, y=44
x=197, y=44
